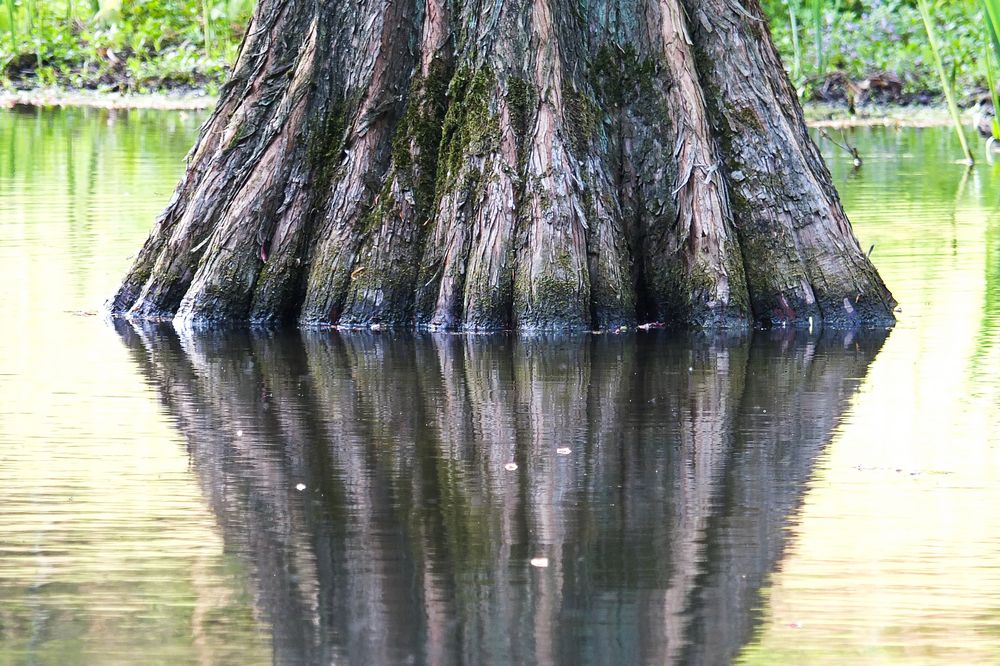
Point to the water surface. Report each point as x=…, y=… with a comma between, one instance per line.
x=317, y=498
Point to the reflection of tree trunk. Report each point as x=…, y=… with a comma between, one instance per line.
x=226, y=437
x=706, y=407
x=412, y=540
x=765, y=475
x=362, y=433
x=552, y=378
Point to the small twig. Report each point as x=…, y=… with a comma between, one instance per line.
x=845, y=146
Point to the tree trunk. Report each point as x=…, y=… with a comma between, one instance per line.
x=540, y=164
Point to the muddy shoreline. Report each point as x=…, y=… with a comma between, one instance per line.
x=819, y=115
x=832, y=116
x=55, y=97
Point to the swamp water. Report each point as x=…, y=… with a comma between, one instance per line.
x=318, y=498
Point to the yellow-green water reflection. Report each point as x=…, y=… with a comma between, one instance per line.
x=107, y=550
x=895, y=553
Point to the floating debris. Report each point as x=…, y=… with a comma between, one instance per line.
x=300, y=486
x=510, y=467
x=563, y=450
x=540, y=562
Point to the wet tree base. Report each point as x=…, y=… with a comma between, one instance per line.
x=501, y=166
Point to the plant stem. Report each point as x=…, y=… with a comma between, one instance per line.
x=991, y=11
x=13, y=24
x=817, y=12
x=793, y=21
x=949, y=94
x=207, y=32
x=991, y=82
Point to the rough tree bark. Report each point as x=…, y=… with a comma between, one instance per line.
x=529, y=164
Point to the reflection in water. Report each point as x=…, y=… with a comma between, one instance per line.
x=410, y=524
x=412, y=539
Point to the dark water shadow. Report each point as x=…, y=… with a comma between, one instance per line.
x=411, y=541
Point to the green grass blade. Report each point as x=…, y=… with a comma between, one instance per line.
x=793, y=24
x=991, y=11
x=817, y=13
x=991, y=8
x=13, y=24
x=991, y=82
x=949, y=93
x=29, y=17
x=206, y=27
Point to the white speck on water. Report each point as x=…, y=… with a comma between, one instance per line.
x=239, y=433
x=563, y=450
x=510, y=467
x=691, y=369
x=540, y=562
x=300, y=486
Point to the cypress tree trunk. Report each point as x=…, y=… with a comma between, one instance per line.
x=529, y=164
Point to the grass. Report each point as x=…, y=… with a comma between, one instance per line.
x=861, y=38
x=120, y=45
x=155, y=45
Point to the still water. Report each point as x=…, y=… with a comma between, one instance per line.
x=318, y=498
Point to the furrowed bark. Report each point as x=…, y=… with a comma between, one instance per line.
x=222, y=289
x=489, y=266
x=380, y=76
x=228, y=147
x=382, y=285
x=552, y=280
x=474, y=206
x=801, y=257
x=702, y=281
x=533, y=165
